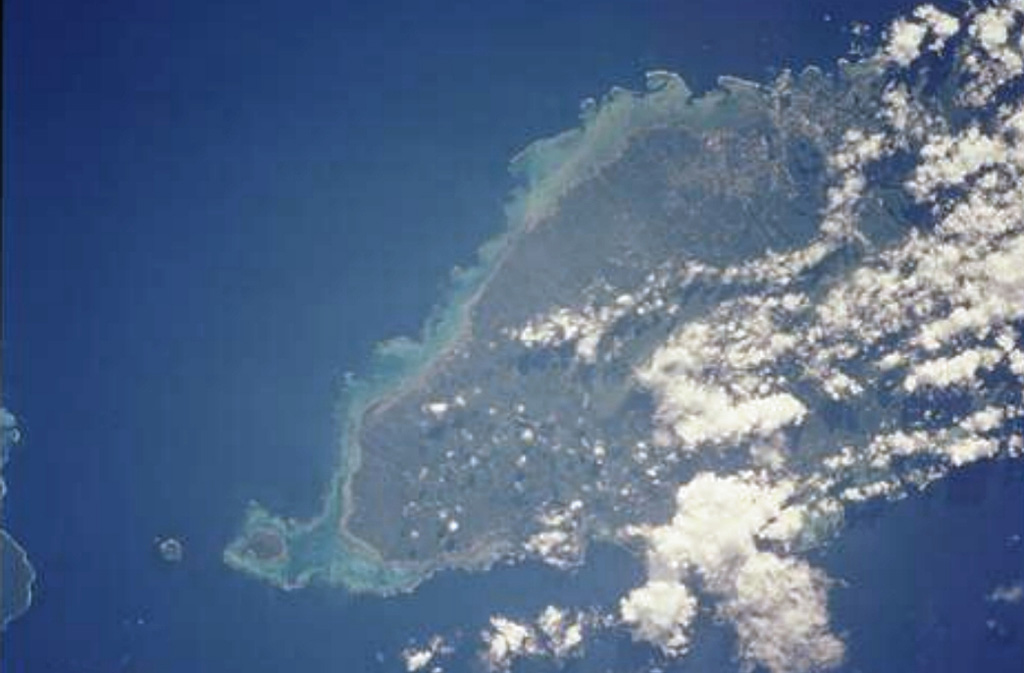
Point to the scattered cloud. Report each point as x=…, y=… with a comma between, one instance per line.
x=555, y=633
x=1008, y=593
x=419, y=658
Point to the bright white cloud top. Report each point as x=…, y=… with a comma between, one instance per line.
x=555, y=633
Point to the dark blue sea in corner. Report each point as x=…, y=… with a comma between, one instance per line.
x=211, y=213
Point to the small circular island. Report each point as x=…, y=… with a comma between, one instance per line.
x=170, y=549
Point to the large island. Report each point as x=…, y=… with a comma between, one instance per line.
x=746, y=282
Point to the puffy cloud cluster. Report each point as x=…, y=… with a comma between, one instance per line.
x=736, y=341
x=584, y=328
x=419, y=658
x=905, y=41
x=994, y=52
x=779, y=609
x=661, y=612
x=701, y=413
x=562, y=631
x=928, y=28
x=507, y=640
x=560, y=542
x=778, y=605
x=951, y=371
x=555, y=633
x=991, y=50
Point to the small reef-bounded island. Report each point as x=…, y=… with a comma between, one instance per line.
x=741, y=313
x=16, y=571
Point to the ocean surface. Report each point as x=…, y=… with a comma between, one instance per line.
x=213, y=212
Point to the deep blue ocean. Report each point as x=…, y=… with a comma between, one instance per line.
x=212, y=211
